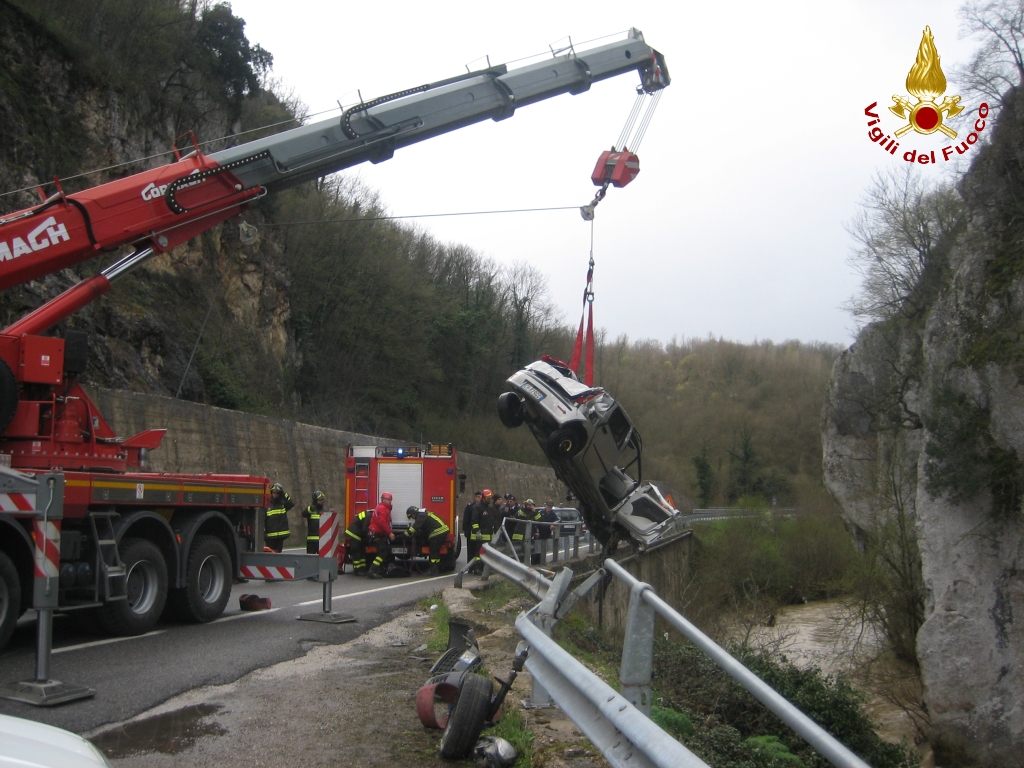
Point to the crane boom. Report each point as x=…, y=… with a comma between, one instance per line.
x=164, y=207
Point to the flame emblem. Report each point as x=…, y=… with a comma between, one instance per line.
x=926, y=83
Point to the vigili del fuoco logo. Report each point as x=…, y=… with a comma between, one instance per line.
x=926, y=83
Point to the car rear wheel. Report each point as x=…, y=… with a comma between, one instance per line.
x=567, y=442
x=510, y=409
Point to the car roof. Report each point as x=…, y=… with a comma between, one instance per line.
x=28, y=744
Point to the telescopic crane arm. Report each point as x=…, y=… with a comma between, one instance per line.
x=162, y=208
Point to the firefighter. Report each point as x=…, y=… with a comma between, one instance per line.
x=312, y=514
x=511, y=511
x=527, y=512
x=467, y=523
x=424, y=525
x=358, y=533
x=485, y=518
x=381, y=534
x=275, y=530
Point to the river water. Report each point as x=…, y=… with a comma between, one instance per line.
x=825, y=634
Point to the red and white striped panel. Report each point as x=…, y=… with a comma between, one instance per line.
x=47, y=540
x=267, y=572
x=17, y=502
x=328, y=533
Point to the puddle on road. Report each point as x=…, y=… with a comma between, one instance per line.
x=168, y=733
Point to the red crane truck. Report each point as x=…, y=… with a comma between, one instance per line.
x=134, y=541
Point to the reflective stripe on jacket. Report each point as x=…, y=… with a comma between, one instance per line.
x=312, y=514
x=358, y=529
x=277, y=517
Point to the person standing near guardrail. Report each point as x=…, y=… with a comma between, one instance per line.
x=312, y=515
x=527, y=512
x=275, y=529
x=485, y=517
x=467, y=523
x=381, y=534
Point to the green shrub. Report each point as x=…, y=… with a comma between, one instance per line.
x=671, y=721
x=771, y=753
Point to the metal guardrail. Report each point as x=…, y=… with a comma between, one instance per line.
x=732, y=513
x=618, y=723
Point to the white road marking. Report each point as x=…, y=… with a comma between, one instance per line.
x=243, y=614
x=378, y=589
x=105, y=642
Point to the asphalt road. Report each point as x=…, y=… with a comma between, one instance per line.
x=131, y=675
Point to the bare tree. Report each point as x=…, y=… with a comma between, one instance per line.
x=998, y=65
x=903, y=232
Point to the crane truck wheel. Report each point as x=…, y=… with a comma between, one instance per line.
x=146, y=585
x=208, y=584
x=8, y=395
x=465, y=721
x=10, y=598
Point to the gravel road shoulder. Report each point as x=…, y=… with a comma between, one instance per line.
x=351, y=704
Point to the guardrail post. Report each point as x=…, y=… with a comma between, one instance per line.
x=638, y=650
x=327, y=570
x=544, y=619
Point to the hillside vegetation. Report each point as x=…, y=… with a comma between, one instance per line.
x=333, y=314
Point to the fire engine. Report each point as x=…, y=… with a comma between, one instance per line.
x=426, y=478
x=131, y=541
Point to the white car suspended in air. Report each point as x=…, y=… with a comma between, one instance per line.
x=593, y=447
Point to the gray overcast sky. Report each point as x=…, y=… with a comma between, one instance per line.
x=755, y=161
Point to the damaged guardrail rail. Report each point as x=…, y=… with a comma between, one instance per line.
x=618, y=723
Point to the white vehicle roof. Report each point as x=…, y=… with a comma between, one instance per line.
x=28, y=744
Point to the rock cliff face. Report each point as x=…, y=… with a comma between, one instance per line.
x=925, y=419
x=57, y=120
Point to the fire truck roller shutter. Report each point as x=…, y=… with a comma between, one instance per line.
x=405, y=482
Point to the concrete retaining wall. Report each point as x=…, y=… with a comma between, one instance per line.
x=302, y=457
x=666, y=568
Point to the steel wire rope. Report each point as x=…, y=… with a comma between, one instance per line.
x=195, y=347
x=630, y=122
x=642, y=130
x=418, y=216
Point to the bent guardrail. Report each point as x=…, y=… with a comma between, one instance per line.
x=579, y=692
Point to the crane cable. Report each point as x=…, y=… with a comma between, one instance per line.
x=620, y=148
x=588, y=313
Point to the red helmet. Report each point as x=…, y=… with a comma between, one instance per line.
x=386, y=496
x=488, y=493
